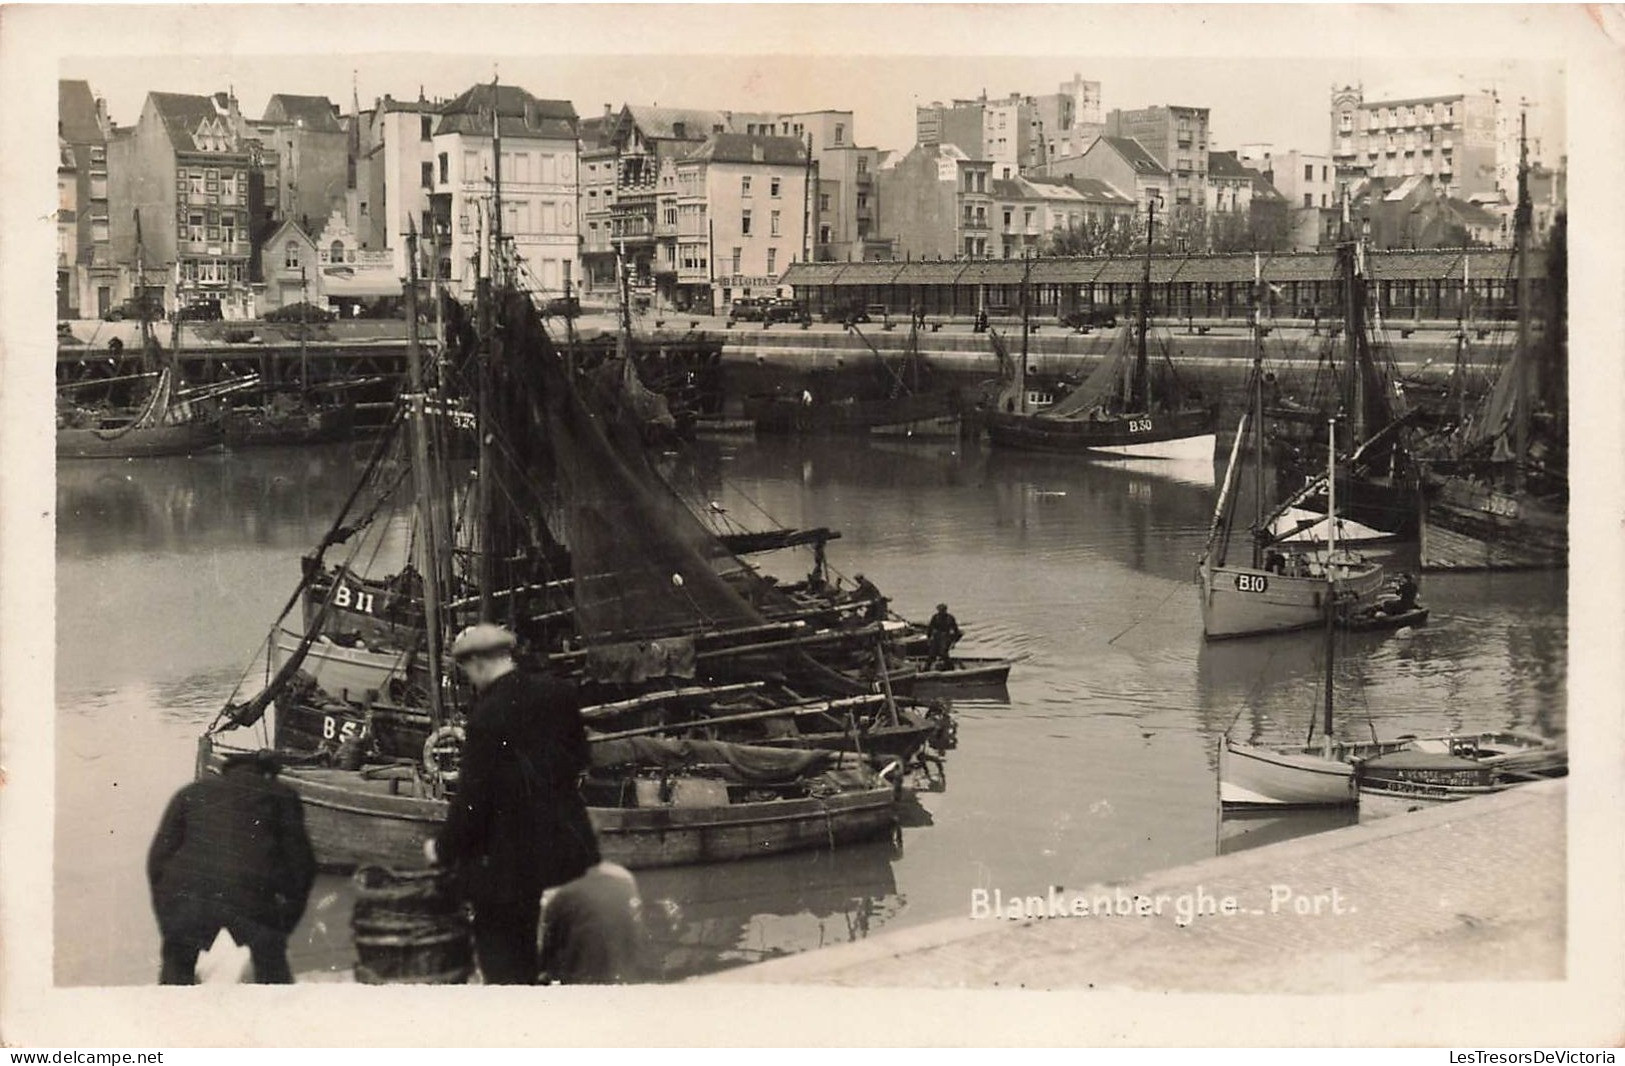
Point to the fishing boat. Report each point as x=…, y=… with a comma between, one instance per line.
x=1281, y=587
x=635, y=564
x=897, y=396
x=1388, y=775
x=1497, y=496
x=1378, y=481
x=171, y=419
x=1121, y=410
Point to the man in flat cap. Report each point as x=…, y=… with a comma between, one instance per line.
x=517, y=824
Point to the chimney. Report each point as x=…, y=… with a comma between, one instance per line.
x=609, y=112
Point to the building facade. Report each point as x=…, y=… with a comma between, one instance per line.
x=185, y=170
x=1177, y=138
x=88, y=278
x=1122, y=163
x=1007, y=132
x=740, y=211
x=394, y=180
x=536, y=172
x=1069, y=120
x=937, y=202
x=1450, y=140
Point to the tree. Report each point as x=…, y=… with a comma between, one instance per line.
x=1097, y=234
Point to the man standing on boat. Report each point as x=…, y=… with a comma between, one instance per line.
x=942, y=633
x=517, y=825
x=231, y=853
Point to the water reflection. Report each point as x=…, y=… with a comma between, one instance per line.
x=1100, y=767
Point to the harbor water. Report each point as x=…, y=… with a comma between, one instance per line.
x=1097, y=764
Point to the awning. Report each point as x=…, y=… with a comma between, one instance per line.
x=349, y=283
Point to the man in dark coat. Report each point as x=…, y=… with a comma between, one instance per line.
x=942, y=633
x=517, y=824
x=231, y=853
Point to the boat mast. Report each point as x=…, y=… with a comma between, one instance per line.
x=1354, y=325
x=428, y=535
x=487, y=493
x=1139, y=386
x=1331, y=579
x=1258, y=411
x=1459, y=385
x=304, y=328
x=1521, y=225
x=1021, y=364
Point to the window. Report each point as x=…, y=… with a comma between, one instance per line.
x=823, y=201
x=744, y=187
x=425, y=127
x=773, y=189
x=427, y=175
x=196, y=184
x=1006, y=173
x=1308, y=172
x=1027, y=218
x=738, y=252
x=335, y=253
x=744, y=221
x=228, y=227
x=445, y=169
x=773, y=224
x=823, y=234
x=363, y=209
x=214, y=180
x=970, y=246
x=1309, y=199
x=194, y=225
x=1323, y=174
x=840, y=133
x=521, y=167
x=772, y=260
x=290, y=255
x=671, y=216
x=471, y=166
x=1007, y=216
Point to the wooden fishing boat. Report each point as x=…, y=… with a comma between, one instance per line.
x=901, y=398
x=1380, y=776
x=1121, y=410
x=966, y=675
x=369, y=765
x=1282, y=587
x=382, y=815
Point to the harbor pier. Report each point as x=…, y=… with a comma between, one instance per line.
x=1470, y=891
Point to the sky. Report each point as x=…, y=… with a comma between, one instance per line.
x=1268, y=86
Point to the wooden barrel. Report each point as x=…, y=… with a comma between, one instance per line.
x=409, y=928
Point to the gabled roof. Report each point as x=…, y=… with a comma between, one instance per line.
x=1262, y=189
x=519, y=113
x=1472, y=214
x=76, y=113
x=595, y=131
x=1008, y=189
x=1133, y=153
x=1226, y=165
x=308, y=112
x=183, y=113
x=1089, y=190
x=748, y=148
x=674, y=123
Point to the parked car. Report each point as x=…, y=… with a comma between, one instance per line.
x=562, y=307
x=300, y=313
x=748, y=309
x=136, y=307
x=1090, y=316
x=202, y=311
x=786, y=310
x=847, y=312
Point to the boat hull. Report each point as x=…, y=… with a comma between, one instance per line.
x=1263, y=777
x=966, y=676
x=354, y=820
x=252, y=428
x=1469, y=526
x=138, y=443
x=341, y=671
x=1243, y=601
x=785, y=415
x=1189, y=434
